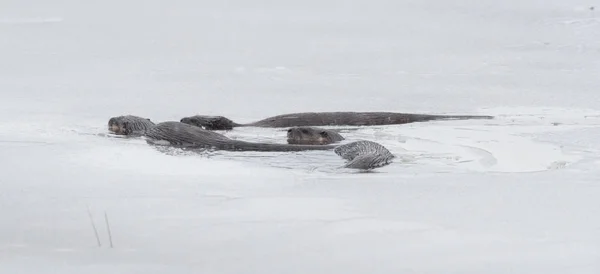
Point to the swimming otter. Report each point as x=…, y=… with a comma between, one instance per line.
x=129, y=125
x=360, y=155
x=312, y=136
x=183, y=135
x=324, y=119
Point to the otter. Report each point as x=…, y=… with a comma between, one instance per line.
x=129, y=125
x=324, y=119
x=312, y=136
x=364, y=155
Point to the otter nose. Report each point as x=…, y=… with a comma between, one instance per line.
x=114, y=128
x=185, y=120
x=291, y=132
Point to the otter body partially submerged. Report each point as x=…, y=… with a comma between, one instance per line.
x=364, y=153
x=129, y=125
x=184, y=135
x=324, y=119
x=312, y=136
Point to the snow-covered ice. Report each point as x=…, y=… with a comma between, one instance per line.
x=516, y=194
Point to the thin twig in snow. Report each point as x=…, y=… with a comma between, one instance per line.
x=94, y=227
x=108, y=229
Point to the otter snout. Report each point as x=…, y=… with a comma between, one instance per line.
x=114, y=125
x=306, y=136
x=114, y=128
x=187, y=120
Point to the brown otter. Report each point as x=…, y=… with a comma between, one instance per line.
x=324, y=119
x=312, y=136
x=129, y=125
x=360, y=155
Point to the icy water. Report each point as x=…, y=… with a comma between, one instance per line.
x=516, y=194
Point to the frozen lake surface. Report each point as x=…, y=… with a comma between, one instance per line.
x=516, y=194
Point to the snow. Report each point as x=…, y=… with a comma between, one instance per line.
x=516, y=194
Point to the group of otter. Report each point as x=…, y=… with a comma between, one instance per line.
x=197, y=132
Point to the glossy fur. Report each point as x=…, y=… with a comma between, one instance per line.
x=180, y=134
x=129, y=125
x=312, y=136
x=324, y=119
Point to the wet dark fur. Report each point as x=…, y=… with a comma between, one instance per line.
x=324, y=119
x=183, y=135
x=129, y=125
x=312, y=136
x=363, y=155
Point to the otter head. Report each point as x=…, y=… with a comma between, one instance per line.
x=209, y=122
x=312, y=136
x=129, y=125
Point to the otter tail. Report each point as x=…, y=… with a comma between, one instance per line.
x=249, y=146
x=461, y=117
x=364, y=155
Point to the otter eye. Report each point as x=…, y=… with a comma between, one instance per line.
x=290, y=130
x=305, y=131
x=324, y=133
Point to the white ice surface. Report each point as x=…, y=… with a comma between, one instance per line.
x=516, y=194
